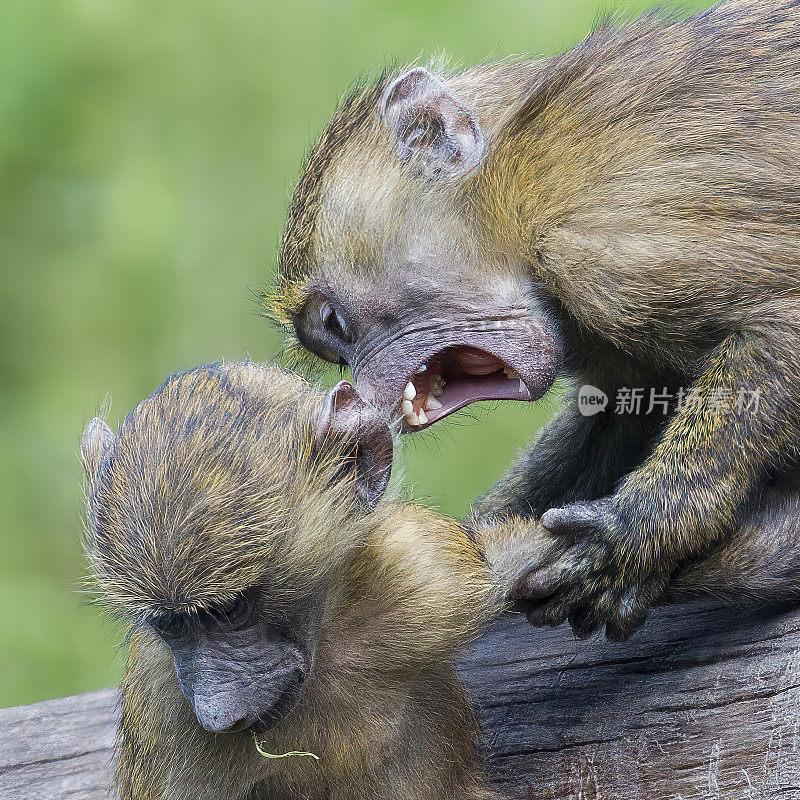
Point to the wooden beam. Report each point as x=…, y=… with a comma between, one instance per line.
x=58, y=750
x=701, y=704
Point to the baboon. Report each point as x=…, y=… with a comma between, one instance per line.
x=625, y=215
x=235, y=521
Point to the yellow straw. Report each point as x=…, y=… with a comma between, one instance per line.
x=264, y=753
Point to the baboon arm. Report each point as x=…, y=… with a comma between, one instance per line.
x=741, y=416
x=618, y=553
x=513, y=547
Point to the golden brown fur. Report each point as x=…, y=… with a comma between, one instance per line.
x=216, y=484
x=637, y=202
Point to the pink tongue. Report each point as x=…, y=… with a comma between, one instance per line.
x=465, y=390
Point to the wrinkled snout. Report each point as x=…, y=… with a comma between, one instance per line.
x=225, y=706
x=423, y=379
x=238, y=680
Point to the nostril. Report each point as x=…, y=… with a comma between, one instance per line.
x=299, y=679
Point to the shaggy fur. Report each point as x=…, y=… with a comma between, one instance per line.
x=215, y=485
x=638, y=200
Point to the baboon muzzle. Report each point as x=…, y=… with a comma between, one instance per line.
x=240, y=679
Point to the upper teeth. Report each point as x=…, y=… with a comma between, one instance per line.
x=414, y=416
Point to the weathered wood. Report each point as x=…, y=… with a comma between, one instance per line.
x=703, y=703
x=58, y=750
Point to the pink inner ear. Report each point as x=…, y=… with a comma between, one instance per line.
x=339, y=398
x=421, y=98
x=343, y=394
x=405, y=86
x=343, y=412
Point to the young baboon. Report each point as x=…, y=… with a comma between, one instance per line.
x=626, y=214
x=236, y=522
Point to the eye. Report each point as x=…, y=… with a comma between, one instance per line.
x=235, y=613
x=334, y=322
x=169, y=626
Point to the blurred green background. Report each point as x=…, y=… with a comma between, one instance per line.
x=147, y=151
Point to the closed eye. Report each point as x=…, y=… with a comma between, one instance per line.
x=170, y=625
x=235, y=613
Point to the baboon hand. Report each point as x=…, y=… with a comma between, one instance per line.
x=591, y=582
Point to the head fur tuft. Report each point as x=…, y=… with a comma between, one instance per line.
x=216, y=483
x=296, y=255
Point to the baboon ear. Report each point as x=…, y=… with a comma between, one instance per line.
x=97, y=438
x=430, y=124
x=343, y=415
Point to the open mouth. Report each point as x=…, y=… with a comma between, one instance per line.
x=454, y=378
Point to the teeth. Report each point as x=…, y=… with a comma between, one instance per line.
x=437, y=385
x=522, y=387
x=422, y=417
x=408, y=412
x=421, y=369
x=410, y=391
x=431, y=404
